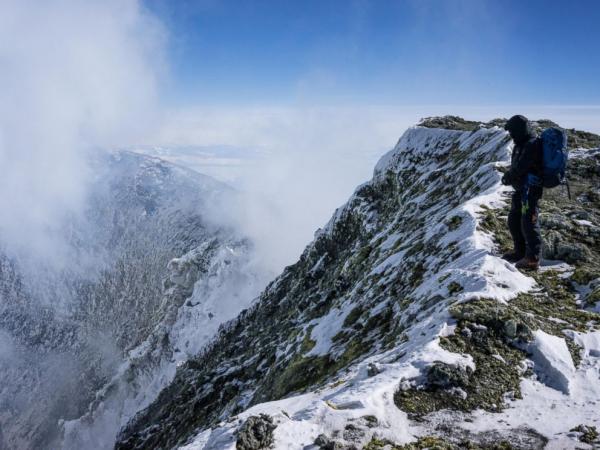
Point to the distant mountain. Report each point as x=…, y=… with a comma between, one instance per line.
x=223, y=162
x=147, y=275
x=401, y=328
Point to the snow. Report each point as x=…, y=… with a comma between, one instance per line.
x=553, y=362
x=551, y=411
x=326, y=328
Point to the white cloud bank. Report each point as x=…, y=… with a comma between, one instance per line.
x=313, y=157
x=75, y=74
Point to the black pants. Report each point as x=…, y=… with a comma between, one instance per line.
x=523, y=223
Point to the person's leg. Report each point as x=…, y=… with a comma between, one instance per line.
x=514, y=226
x=531, y=226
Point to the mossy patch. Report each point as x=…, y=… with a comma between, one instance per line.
x=353, y=316
x=583, y=275
x=435, y=443
x=307, y=343
x=491, y=222
x=482, y=337
x=454, y=288
x=300, y=373
x=589, y=434
x=454, y=222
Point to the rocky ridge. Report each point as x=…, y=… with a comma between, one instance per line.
x=399, y=318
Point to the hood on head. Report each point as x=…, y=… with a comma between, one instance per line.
x=519, y=128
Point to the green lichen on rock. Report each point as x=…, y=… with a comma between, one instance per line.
x=454, y=222
x=482, y=335
x=454, y=288
x=587, y=434
x=451, y=123
x=437, y=443
x=256, y=433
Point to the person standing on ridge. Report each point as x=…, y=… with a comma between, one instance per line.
x=524, y=176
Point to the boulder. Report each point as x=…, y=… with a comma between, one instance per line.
x=444, y=376
x=256, y=433
x=556, y=247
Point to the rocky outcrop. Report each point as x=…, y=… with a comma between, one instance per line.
x=256, y=433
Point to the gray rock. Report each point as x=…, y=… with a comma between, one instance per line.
x=510, y=328
x=371, y=421
x=442, y=375
x=555, y=222
x=574, y=252
x=325, y=443
x=373, y=370
x=353, y=433
x=556, y=247
x=256, y=433
x=581, y=215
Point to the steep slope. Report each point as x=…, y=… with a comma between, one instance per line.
x=399, y=321
x=110, y=298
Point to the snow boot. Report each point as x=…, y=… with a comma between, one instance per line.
x=513, y=257
x=528, y=263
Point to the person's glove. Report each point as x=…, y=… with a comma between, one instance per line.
x=506, y=179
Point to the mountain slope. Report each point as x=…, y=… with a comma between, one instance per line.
x=101, y=320
x=398, y=321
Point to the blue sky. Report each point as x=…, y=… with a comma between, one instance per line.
x=458, y=52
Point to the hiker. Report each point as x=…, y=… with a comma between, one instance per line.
x=525, y=176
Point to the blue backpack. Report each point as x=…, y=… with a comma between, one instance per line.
x=554, y=156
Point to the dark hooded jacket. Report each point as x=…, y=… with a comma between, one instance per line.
x=527, y=152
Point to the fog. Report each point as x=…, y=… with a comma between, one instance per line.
x=295, y=164
x=75, y=75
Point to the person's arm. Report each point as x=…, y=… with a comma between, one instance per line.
x=523, y=165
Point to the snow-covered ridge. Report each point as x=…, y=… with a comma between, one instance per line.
x=392, y=260
x=477, y=270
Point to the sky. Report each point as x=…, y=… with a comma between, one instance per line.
x=403, y=52
x=306, y=94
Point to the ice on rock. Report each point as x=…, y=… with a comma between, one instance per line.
x=553, y=362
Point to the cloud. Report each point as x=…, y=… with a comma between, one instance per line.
x=75, y=75
x=301, y=163
x=310, y=158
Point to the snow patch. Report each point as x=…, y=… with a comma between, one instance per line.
x=553, y=362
